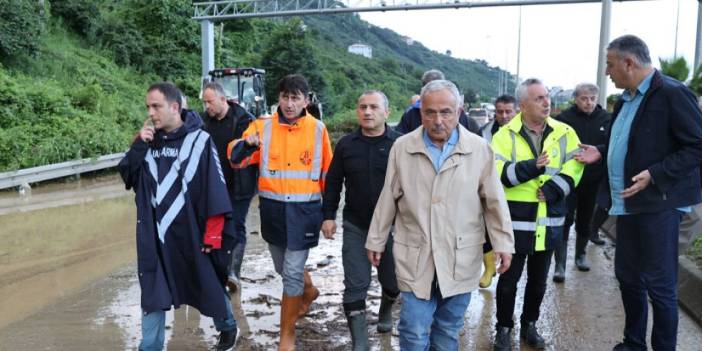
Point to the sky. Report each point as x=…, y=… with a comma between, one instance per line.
x=558, y=42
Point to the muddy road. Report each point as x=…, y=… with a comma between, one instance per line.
x=68, y=282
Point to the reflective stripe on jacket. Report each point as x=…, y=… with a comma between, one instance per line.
x=293, y=160
x=538, y=226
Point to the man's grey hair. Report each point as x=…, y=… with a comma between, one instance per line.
x=438, y=85
x=432, y=74
x=523, y=86
x=585, y=88
x=216, y=87
x=632, y=45
x=386, y=103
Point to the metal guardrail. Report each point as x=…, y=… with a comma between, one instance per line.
x=58, y=170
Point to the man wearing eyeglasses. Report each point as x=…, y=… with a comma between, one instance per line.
x=441, y=191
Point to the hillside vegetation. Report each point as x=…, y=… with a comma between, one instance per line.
x=73, y=72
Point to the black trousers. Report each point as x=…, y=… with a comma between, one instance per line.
x=537, y=272
x=581, y=205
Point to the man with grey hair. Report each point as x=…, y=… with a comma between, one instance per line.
x=441, y=192
x=430, y=75
x=652, y=157
x=534, y=157
x=359, y=163
x=226, y=121
x=590, y=122
x=411, y=119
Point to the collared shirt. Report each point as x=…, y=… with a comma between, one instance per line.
x=536, y=137
x=619, y=144
x=439, y=155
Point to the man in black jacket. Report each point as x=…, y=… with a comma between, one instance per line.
x=226, y=121
x=590, y=121
x=652, y=158
x=412, y=119
x=359, y=162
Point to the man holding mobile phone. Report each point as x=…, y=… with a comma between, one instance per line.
x=184, y=231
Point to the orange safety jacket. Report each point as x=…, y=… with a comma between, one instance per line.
x=293, y=160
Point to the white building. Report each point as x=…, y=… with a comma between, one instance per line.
x=361, y=49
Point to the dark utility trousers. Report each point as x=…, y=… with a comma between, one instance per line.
x=240, y=208
x=357, y=268
x=581, y=205
x=646, y=265
x=537, y=272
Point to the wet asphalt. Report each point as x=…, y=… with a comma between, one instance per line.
x=103, y=313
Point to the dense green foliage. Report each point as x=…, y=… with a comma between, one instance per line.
x=21, y=25
x=695, y=83
x=73, y=73
x=676, y=68
x=85, y=107
x=290, y=50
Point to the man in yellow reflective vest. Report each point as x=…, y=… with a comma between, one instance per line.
x=293, y=153
x=534, y=157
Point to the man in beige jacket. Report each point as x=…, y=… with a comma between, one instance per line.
x=441, y=191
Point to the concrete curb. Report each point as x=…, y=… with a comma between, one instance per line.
x=690, y=288
x=689, y=279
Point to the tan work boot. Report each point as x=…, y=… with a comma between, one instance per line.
x=489, y=263
x=289, y=307
x=310, y=294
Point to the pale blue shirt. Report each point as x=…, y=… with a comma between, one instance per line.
x=619, y=145
x=439, y=155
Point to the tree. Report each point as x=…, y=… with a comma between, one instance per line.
x=470, y=96
x=676, y=68
x=289, y=50
x=21, y=26
x=695, y=83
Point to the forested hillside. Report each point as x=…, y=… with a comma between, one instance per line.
x=73, y=72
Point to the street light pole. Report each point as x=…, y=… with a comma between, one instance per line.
x=698, y=46
x=519, y=51
x=602, y=60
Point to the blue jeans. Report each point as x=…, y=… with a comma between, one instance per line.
x=240, y=208
x=153, y=327
x=646, y=264
x=434, y=322
x=290, y=264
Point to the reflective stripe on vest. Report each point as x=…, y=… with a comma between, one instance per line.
x=514, y=145
x=512, y=174
x=314, y=174
x=317, y=160
x=531, y=226
x=289, y=197
x=562, y=183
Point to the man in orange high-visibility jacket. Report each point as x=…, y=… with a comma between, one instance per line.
x=293, y=152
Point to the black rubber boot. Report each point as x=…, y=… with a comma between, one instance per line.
x=385, y=313
x=581, y=263
x=503, y=339
x=359, y=330
x=531, y=336
x=559, y=260
x=595, y=238
x=226, y=340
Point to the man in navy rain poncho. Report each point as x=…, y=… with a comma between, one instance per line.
x=184, y=233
